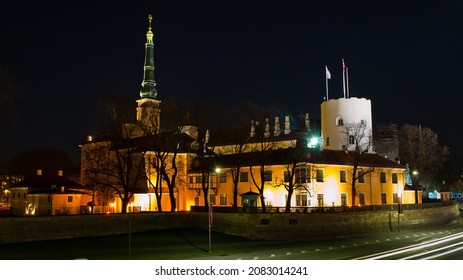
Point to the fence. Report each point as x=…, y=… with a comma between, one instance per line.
x=329, y=209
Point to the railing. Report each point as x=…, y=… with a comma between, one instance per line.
x=327, y=209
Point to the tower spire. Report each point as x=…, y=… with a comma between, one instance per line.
x=148, y=86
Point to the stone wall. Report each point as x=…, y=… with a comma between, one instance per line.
x=300, y=225
x=20, y=229
x=250, y=225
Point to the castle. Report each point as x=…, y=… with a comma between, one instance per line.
x=272, y=165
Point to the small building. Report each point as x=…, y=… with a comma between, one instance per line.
x=48, y=194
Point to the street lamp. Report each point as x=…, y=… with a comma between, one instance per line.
x=209, y=208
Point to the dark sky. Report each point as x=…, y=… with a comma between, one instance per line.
x=405, y=56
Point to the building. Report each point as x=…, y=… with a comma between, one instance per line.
x=282, y=162
x=48, y=194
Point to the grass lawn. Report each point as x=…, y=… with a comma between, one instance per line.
x=154, y=245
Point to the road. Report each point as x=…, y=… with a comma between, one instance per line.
x=443, y=242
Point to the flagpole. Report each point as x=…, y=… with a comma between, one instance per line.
x=344, y=78
x=326, y=79
x=347, y=81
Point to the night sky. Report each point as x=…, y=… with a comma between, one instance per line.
x=405, y=56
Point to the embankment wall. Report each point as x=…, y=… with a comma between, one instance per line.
x=250, y=225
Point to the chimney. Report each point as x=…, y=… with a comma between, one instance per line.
x=62, y=188
x=60, y=173
x=253, y=129
x=267, y=129
x=276, y=131
x=287, y=125
x=307, y=121
x=39, y=172
x=207, y=136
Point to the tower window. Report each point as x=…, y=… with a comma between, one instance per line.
x=351, y=140
x=339, y=121
x=327, y=141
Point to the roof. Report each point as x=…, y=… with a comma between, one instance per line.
x=47, y=181
x=290, y=155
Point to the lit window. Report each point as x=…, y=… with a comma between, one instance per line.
x=268, y=176
x=287, y=176
x=382, y=177
x=244, y=177
x=301, y=175
x=223, y=199
x=342, y=176
x=394, y=178
x=362, y=198
x=223, y=177
x=320, y=175
x=361, y=177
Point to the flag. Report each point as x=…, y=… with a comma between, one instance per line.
x=328, y=74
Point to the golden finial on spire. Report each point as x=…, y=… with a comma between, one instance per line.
x=150, y=17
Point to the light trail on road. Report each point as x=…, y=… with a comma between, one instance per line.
x=422, y=246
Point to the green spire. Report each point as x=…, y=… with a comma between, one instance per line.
x=148, y=86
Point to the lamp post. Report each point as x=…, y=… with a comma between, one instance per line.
x=209, y=208
x=399, y=210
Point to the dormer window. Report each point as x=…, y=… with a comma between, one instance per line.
x=339, y=121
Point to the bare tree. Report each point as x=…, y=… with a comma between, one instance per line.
x=358, y=139
x=115, y=160
x=420, y=149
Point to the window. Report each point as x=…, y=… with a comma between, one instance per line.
x=382, y=177
x=70, y=198
x=319, y=175
x=395, y=198
x=286, y=176
x=394, y=178
x=362, y=198
x=24, y=195
x=301, y=200
x=196, y=200
x=327, y=141
x=223, y=177
x=320, y=201
x=212, y=199
x=268, y=176
x=199, y=179
x=243, y=176
x=383, y=198
x=301, y=175
x=351, y=140
x=342, y=176
x=339, y=121
x=223, y=199
x=343, y=199
x=361, y=176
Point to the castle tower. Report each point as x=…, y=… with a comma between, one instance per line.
x=148, y=110
x=338, y=114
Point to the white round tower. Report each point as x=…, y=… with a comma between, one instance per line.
x=337, y=115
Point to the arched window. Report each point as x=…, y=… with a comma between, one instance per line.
x=351, y=140
x=339, y=121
